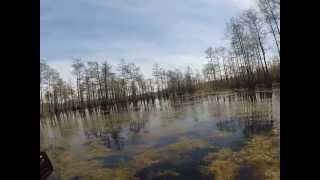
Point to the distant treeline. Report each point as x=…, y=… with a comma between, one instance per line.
x=245, y=64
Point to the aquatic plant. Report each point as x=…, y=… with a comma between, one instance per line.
x=67, y=166
x=167, y=173
x=261, y=152
x=97, y=148
x=221, y=165
x=175, y=153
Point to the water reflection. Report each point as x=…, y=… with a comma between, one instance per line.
x=137, y=125
x=159, y=124
x=114, y=128
x=109, y=134
x=247, y=126
x=254, y=116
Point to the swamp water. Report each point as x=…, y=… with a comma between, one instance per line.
x=168, y=140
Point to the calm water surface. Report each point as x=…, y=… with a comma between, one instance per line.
x=167, y=140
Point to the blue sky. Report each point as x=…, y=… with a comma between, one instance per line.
x=172, y=33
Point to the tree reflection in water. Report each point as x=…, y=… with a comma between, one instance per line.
x=258, y=123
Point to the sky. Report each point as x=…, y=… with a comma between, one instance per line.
x=172, y=33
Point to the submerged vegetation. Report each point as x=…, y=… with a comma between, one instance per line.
x=261, y=154
x=174, y=152
x=69, y=164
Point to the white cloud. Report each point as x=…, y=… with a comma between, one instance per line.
x=244, y=4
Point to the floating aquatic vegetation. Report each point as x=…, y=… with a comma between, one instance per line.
x=123, y=174
x=67, y=165
x=97, y=148
x=264, y=153
x=167, y=173
x=221, y=165
x=219, y=135
x=105, y=173
x=174, y=152
x=187, y=144
x=145, y=158
x=85, y=166
x=261, y=152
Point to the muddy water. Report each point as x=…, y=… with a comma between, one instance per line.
x=167, y=140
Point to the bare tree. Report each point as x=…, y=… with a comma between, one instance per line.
x=78, y=69
x=271, y=12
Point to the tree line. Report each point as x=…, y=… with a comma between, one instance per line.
x=245, y=63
